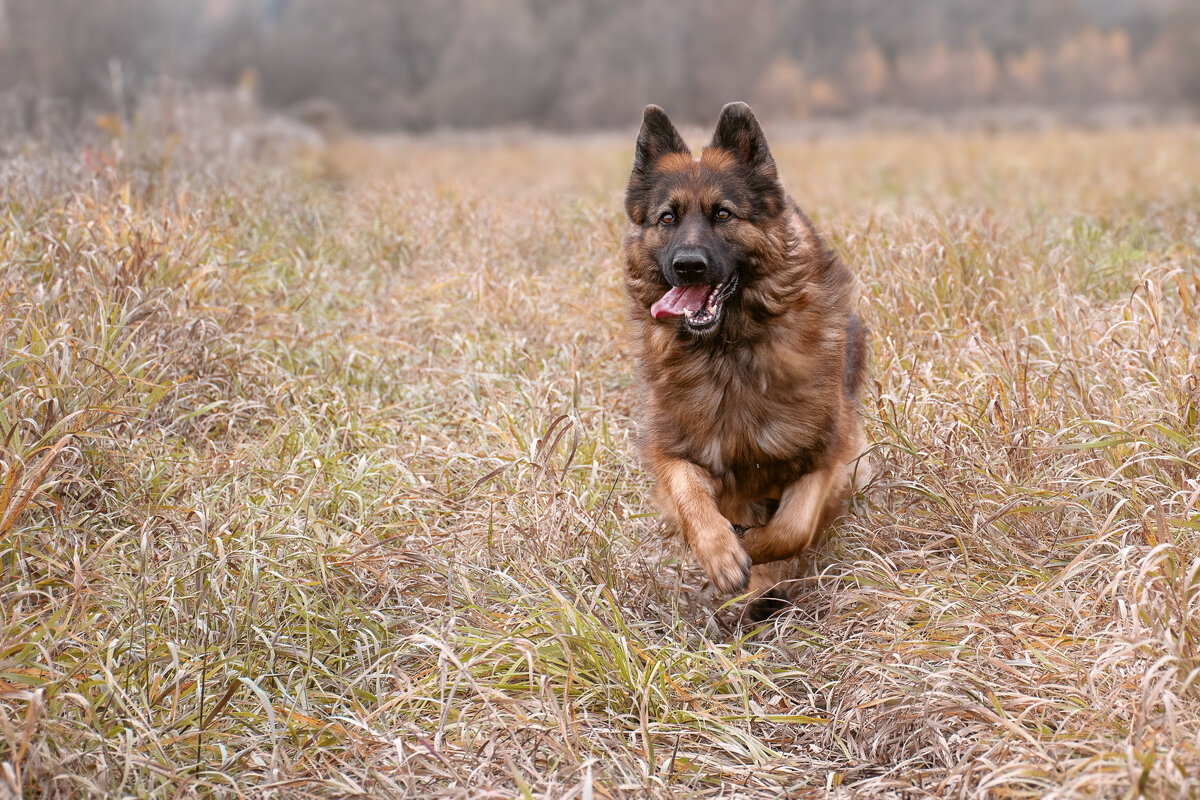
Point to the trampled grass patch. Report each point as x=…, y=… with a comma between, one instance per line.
x=319, y=479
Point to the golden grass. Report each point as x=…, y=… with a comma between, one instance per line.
x=320, y=481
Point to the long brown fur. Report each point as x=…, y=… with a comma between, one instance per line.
x=752, y=431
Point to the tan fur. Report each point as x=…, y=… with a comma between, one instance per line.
x=763, y=414
x=686, y=496
x=674, y=162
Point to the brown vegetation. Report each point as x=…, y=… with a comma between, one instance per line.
x=318, y=480
x=477, y=63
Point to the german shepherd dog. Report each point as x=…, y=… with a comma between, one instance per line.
x=750, y=356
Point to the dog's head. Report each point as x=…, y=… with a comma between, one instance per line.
x=701, y=229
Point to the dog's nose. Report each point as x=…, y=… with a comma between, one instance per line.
x=691, y=266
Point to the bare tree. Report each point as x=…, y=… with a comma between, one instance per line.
x=570, y=63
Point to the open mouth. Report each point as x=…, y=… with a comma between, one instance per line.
x=700, y=306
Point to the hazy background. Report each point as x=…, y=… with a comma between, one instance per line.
x=421, y=64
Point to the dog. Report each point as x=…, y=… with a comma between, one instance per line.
x=750, y=357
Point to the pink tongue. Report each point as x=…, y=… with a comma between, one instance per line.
x=680, y=299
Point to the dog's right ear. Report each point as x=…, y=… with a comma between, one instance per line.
x=656, y=139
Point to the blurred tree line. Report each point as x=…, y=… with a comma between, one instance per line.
x=418, y=64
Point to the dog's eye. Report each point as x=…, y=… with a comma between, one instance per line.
x=666, y=219
x=723, y=214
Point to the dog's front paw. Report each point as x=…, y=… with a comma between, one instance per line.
x=725, y=561
x=767, y=605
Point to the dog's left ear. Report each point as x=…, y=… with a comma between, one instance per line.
x=739, y=133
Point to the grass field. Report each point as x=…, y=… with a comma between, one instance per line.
x=319, y=481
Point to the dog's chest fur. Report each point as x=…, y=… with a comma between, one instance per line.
x=756, y=423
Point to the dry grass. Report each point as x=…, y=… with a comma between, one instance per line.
x=320, y=482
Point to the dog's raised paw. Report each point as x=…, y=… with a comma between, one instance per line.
x=730, y=571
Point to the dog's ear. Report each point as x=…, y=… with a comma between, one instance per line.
x=739, y=133
x=656, y=139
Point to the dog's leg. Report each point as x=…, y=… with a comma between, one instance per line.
x=804, y=509
x=687, y=495
x=766, y=587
